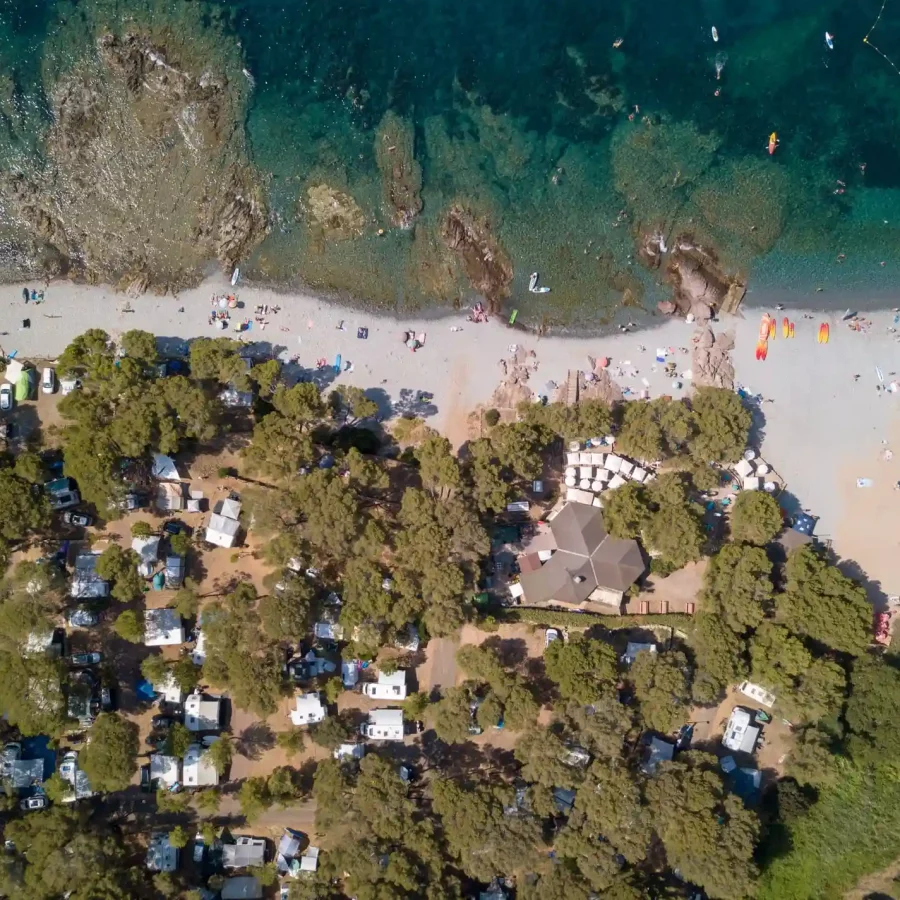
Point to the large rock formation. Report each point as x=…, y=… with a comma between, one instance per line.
x=401, y=174
x=147, y=175
x=485, y=262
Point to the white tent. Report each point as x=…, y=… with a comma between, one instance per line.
x=13, y=370
x=617, y=481
x=751, y=484
x=743, y=468
x=147, y=548
x=164, y=468
x=613, y=462
x=574, y=495
x=627, y=467
x=162, y=628
x=222, y=531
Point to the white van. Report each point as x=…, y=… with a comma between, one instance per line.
x=48, y=381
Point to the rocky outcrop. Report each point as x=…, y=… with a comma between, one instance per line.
x=484, y=261
x=701, y=287
x=711, y=364
x=401, y=174
x=147, y=175
x=335, y=212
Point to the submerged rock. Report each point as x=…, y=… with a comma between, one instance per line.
x=401, y=174
x=146, y=174
x=485, y=262
x=335, y=212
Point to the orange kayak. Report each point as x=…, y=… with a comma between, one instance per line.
x=773, y=142
x=825, y=333
x=764, y=327
x=762, y=350
x=772, y=328
x=791, y=334
x=785, y=327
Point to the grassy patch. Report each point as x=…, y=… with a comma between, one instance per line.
x=561, y=619
x=853, y=830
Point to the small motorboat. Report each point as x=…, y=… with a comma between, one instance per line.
x=773, y=142
x=829, y=41
x=541, y=290
x=532, y=282
x=715, y=34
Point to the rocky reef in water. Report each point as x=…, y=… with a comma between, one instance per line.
x=401, y=173
x=144, y=174
x=486, y=264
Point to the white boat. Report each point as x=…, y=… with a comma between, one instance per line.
x=829, y=40
x=715, y=34
x=234, y=276
x=541, y=290
x=532, y=282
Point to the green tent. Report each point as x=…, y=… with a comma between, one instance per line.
x=23, y=385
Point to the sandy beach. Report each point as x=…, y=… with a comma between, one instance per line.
x=820, y=427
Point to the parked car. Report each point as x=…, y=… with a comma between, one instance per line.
x=85, y=659
x=176, y=527
x=146, y=781
x=38, y=801
x=199, y=848
x=131, y=501
x=82, y=617
x=68, y=766
x=162, y=722
x=63, y=500
x=76, y=518
x=48, y=381
x=551, y=636
x=106, y=699
x=6, y=397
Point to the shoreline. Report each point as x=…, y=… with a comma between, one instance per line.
x=819, y=426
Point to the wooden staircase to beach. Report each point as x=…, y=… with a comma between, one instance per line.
x=572, y=388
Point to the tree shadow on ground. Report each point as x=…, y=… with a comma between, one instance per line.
x=511, y=652
x=255, y=740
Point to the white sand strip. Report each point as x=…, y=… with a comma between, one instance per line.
x=823, y=430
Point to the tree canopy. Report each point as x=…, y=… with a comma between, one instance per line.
x=821, y=603
x=737, y=586
x=110, y=759
x=581, y=668
x=755, y=517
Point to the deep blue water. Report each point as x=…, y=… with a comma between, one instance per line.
x=520, y=112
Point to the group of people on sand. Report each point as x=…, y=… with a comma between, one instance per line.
x=33, y=296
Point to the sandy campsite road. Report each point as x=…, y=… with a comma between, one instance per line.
x=821, y=428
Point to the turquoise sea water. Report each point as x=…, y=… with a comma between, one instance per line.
x=520, y=113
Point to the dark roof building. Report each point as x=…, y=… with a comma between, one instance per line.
x=587, y=561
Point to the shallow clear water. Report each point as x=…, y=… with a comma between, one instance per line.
x=520, y=112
